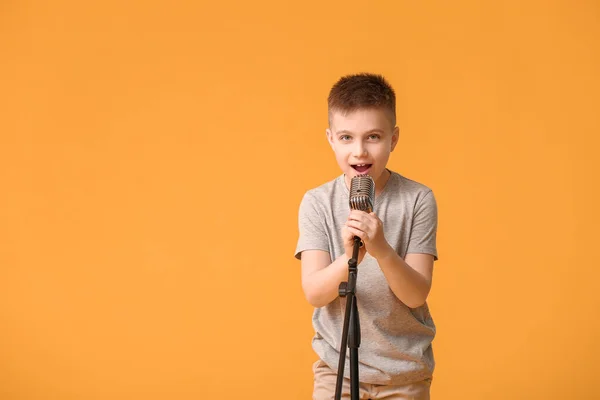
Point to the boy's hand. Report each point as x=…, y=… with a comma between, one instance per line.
x=369, y=228
x=348, y=238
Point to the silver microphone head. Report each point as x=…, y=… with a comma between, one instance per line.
x=362, y=193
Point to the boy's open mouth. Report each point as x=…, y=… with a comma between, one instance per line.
x=362, y=168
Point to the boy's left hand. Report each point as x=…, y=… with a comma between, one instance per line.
x=369, y=228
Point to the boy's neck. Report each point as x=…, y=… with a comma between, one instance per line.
x=379, y=184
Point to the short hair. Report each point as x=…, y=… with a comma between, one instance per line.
x=359, y=91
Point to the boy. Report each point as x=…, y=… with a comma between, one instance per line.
x=395, y=264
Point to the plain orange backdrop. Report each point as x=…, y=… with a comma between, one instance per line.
x=153, y=155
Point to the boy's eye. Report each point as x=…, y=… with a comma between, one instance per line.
x=345, y=137
x=374, y=136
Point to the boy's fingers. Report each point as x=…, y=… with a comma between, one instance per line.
x=357, y=215
x=356, y=224
x=363, y=218
x=358, y=233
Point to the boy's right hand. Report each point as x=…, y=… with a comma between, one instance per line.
x=348, y=238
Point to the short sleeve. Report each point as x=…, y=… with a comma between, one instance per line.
x=424, y=227
x=311, y=227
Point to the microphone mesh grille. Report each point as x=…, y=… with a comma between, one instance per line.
x=362, y=193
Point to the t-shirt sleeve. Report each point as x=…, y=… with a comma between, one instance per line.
x=424, y=227
x=311, y=227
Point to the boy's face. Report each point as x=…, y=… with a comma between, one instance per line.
x=362, y=142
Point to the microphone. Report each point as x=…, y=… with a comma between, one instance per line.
x=362, y=197
x=362, y=193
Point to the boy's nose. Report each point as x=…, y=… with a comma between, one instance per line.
x=359, y=151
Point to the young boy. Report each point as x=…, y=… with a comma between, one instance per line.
x=395, y=264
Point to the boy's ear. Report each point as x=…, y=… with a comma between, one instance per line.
x=329, y=136
x=395, y=137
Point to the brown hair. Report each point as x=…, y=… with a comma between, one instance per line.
x=359, y=91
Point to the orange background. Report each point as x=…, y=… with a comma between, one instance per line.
x=153, y=155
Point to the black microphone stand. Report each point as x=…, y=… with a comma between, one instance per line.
x=351, y=330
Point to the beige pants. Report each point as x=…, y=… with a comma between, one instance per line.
x=325, y=380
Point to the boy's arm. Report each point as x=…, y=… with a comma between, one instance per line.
x=409, y=279
x=321, y=278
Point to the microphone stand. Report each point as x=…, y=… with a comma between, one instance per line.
x=351, y=330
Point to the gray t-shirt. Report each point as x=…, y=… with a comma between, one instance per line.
x=396, y=340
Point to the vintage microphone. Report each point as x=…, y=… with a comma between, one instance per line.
x=362, y=197
x=362, y=194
